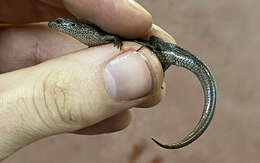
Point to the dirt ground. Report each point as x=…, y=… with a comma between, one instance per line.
x=224, y=34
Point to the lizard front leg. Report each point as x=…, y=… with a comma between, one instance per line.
x=114, y=39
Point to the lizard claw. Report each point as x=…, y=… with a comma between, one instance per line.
x=118, y=43
x=114, y=39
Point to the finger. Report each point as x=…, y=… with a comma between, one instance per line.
x=24, y=46
x=122, y=17
x=73, y=92
x=112, y=124
x=112, y=16
x=27, y=11
x=159, y=32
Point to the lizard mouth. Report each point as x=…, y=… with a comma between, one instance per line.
x=57, y=23
x=53, y=25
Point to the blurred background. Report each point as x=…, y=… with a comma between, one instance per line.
x=222, y=33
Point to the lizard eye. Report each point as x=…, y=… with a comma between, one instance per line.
x=58, y=21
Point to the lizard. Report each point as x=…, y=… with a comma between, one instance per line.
x=167, y=53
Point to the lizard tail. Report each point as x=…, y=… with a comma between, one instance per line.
x=184, y=58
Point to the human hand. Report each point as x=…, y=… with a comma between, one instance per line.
x=88, y=91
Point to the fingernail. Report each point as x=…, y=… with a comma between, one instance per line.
x=137, y=6
x=128, y=76
x=158, y=31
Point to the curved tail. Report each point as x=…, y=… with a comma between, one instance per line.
x=183, y=58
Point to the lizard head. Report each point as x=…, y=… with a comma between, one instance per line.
x=65, y=25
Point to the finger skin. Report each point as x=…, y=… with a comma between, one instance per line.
x=28, y=45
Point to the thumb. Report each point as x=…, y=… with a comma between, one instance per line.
x=73, y=92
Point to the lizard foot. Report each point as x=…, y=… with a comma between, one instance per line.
x=116, y=40
x=118, y=43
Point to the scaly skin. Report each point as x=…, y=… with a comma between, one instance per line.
x=168, y=54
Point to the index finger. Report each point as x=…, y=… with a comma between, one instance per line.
x=122, y=17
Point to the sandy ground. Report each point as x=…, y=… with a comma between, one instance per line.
x=224, y=34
